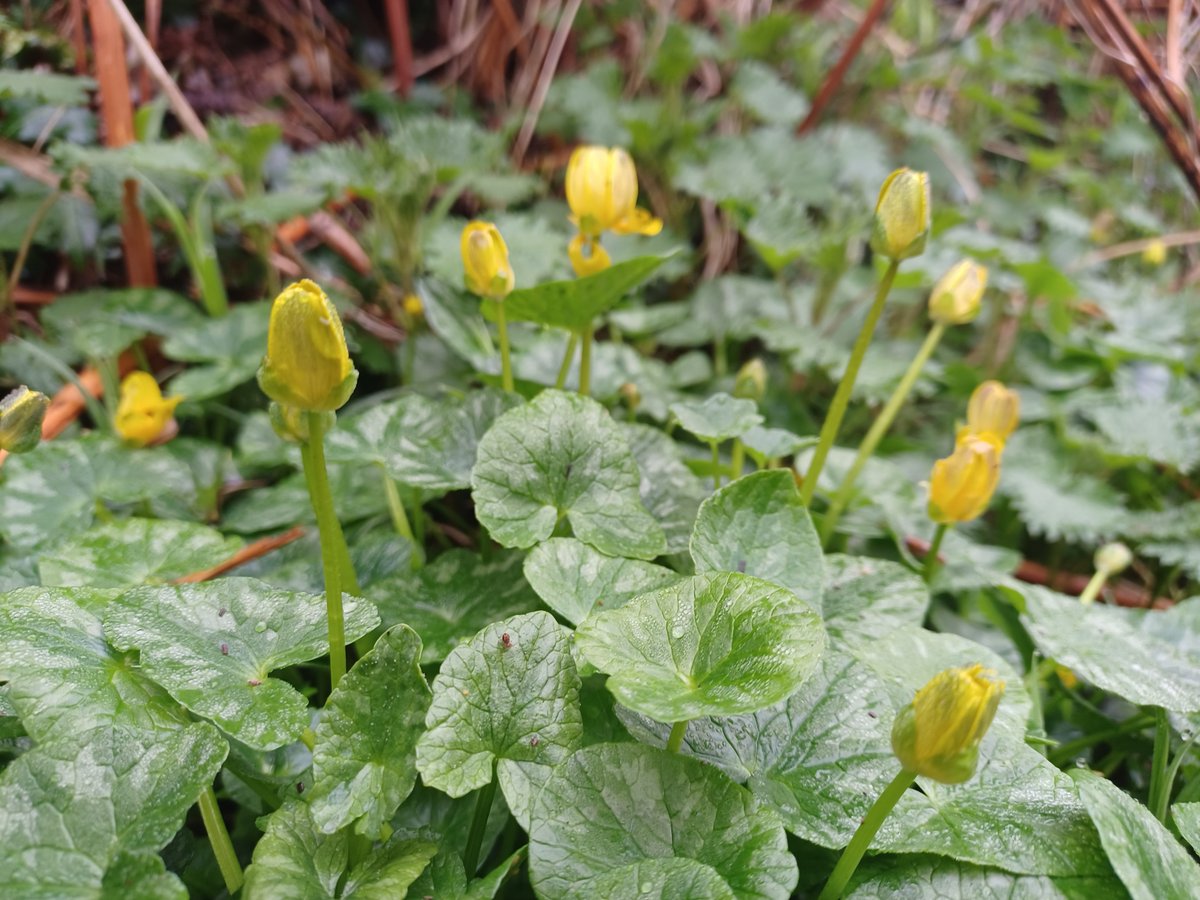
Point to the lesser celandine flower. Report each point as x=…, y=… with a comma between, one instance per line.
x=485, y=261
x=993, y=413
x=956, y=298
x=1155, y=253
x=938, y=734
x=21, y=414
x=307, y=365
x=902, y=215
x=962, y=484
x=143, y=413
x=602, y=190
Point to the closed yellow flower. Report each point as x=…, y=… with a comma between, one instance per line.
x=602, y=190
x=307, y=365
x=956, y=298
x=902, y=215
x=485, y=261
x=993, y=409
x=938, y=734
x=1155, y=253
x=143, y=413
x=962, y=484
x=21, y=414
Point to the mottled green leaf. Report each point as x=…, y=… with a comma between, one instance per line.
x=102, y=323
x=635, y=808
x=1187, y=819
x=365, y=753
x=918, y=877
x=870, y=598
x=49, y=493
x=573, y=579
x=758, y=525
x=715, y=644
x=668, y=487
x=562, y=456
x=131, y=552
x=1148, y=859
x=511, y=692
x=719, y=418
x=141, y=876
x=228, y=348
x=213, y=645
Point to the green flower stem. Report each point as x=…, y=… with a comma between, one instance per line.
x=218, y=837
x=506, y=375
x=110, y=383
x=931, y=557
x=1065, y=752
x=880, y=428
x=585, y=362
x=399, y=517
x=737, y=459
x=1094, y=585
x=1164, y=799
x=1160, y=790
x=483, y=809
x=858, y=845
x=312, y=452
x=568, y=357
x=675, y=741
x=841, y=398
x=716, y=465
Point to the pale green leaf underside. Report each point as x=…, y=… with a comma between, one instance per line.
x=718, y=418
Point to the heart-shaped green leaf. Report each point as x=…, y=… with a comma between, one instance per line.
x=562, y=456
x=365, y=753
x=669, y=488
x=866, y=599
x=932, y=876
x=719, y=418
x=635, y=809
x=130, y=552
x=231, y=347
x=572, y=578
x=213, y=645
x=712, y=645
x=758, y=525
x=1148, y=859
x=511, y=692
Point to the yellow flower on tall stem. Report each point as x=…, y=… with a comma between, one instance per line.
x=993, y=413
x=489, y=274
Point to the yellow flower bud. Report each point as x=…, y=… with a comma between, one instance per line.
x=902, y=215
x=993, y=409
x=631, y=395
x=602, y=189
x=21, y=415
x=587, y=256
x=751, y=381
x=413, y=305
x=955, y=299
x=485, y=261
x=1113, y=558
x=962, y=484
x=1155, y=253
x=143, y=414
x=307, y=365
x=938, y=734
x=291, y=424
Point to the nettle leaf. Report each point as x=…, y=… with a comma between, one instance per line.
x=669, y=489
x=758, y=525
x=130, y=552
x=719, y=418
x=213, y=645
x=715, y=644
x=870, y=598
x=1187, y=819
x=453, y=597
x=562, y=456
x=70, y=808
x=635, y=809
x=575, y=303
x=1154, y=671
x=1158, y=430
x=918, y=876
x=421, y=442
x=365, y=753
x=295, y=861
x=63, y=679
x=509, y=693
x=1148, y=859
x=573, y=579
x=48, y=87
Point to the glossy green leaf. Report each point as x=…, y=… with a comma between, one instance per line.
x=295, y=861
x=916, y=877
x=715, y=644
x=511, y=692
x=449, y=600
x=1150, y=862
x=365, y=753
x=445, y=877
x=575, y=303
x=562, y=456
x=71, y=807
x=866, y=599
x=1186, y=817
x=213, y=645
x=141, y=876
x=573, y=579
x=49, y=493
x=102, y=323
x=758, y=525
x=63, y=679
x=669, y=489
x=719, y=418
x=636, y=808
x=131, y=552
x=227, y=351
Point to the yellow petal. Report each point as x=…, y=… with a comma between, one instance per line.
x=587, y=256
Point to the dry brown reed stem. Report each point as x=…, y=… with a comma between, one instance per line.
x=401, y=38
x=251, y=551
x=833, y=80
